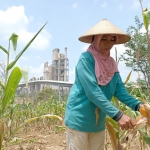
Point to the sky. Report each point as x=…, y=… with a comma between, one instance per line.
x=67, y=21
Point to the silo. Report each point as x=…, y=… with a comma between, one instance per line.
x=55, y=54
x=50, y=72
x=65, y=66
x=46, y=71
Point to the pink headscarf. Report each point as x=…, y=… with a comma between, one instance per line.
x=105, y=66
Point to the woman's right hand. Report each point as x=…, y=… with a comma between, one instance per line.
x=126, y=123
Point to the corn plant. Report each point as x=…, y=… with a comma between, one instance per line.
x=12, y=78
x=146, y=20
x=120, y=140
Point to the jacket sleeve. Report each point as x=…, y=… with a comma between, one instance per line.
x=86, y=74
x=122, y=94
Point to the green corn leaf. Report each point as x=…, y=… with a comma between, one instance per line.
x=2, y=86
x=2, y=48
x=14, y=38
x=19, y=55
x=115, y=101
x=146, y=137
x=25, y=75
x=146, y=18
x=11, y=87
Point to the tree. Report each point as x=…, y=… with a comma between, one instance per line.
x=136, y=54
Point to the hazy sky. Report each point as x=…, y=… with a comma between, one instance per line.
x=67, y=20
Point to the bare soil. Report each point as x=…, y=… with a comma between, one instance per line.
x=47, y=140
x=37, y=141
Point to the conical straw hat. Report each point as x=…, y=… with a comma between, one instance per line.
x=105, y=27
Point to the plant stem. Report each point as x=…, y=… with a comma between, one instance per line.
x=6, y=76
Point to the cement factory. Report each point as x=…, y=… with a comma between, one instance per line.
x=55, y=75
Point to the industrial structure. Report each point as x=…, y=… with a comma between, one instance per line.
x=59, y=69
x=55, y=76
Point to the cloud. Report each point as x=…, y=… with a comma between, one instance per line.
x=120, y=50
x=31, y=18
x=15, y=20
x=143, y=30
x=121, y=7
x=104, y=4
x=75, y=5
x=123, y=69
x=40, y=43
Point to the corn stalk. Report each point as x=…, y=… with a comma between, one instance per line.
x=11, y=83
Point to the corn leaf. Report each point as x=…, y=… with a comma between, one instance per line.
x=25, y=75
x=146, y=18
x=97, y=114
x=128, y=77
x=115, y=101
x=24, y=49
x=2, y=86
x=33, y=119
x=113, y=123
x=146, y=137
x=2, y=48
x=14, y=38
x=112, y=135
x=11, y=87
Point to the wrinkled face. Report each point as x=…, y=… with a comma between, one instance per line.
x=106, y=43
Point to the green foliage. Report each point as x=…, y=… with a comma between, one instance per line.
x=145, y=136
x=24, y=49
x=45, y=94
x=14, y=39
x=146, y=18
x=136, y=54
x=8, y=89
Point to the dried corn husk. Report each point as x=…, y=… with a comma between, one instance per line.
x=140, y=122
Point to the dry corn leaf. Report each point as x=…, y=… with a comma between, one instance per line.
x=140, y=122
x=112, y=135
x=97, y=114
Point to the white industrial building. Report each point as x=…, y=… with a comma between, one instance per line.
x=59, y=69
x=55, y=75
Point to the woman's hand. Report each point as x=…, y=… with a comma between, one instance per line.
x=126, y=123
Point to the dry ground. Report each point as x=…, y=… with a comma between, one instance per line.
x=37, y=141
x=46, y=140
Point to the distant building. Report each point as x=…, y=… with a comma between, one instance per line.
x=59, y=69
x=55, y=75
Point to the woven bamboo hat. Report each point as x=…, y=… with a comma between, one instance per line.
x=105, y=27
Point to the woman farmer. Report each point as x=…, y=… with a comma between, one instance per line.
x=97, y=79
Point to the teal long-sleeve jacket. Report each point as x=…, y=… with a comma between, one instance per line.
x=86, y=95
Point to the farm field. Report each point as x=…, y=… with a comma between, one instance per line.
x=36, y=130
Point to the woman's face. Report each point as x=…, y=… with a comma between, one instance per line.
x=106, y=43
